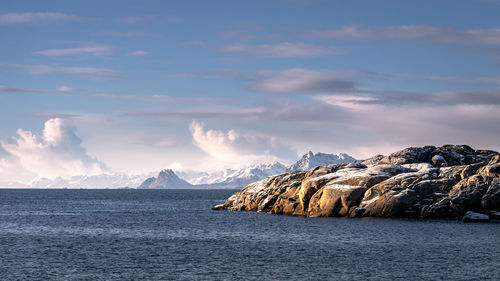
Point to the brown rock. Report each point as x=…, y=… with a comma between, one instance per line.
x=491, y=200
x=392, y=203
x=335, y=200
x=470, y=190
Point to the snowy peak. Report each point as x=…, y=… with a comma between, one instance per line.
x=115, y=180
x=311, y=160
x=231, y=178
x=165, y=179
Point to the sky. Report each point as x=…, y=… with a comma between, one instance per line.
x=92, y=87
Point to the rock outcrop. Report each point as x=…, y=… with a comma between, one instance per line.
x=428, y=181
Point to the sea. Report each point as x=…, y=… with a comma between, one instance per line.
x=65, y=234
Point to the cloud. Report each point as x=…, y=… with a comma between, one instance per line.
x=13, y=18
x=478, y=37
x=281, y=50
x=132, y=19
x=232, y=148
x=86, y=72
x=6, y=89
x=64, y=89
x=89, y=50
x=52, y=115
x=494, y=80
x=60, y=90
x=182, y=75
x=139, y=53
x=299, y=80
x=149, y=18
x=305, y=81
x=57, y=152
x=244, y=113
x=238, y=35
x=165, y=142
x=133, y=34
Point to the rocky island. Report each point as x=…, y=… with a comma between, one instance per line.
x=452, y=181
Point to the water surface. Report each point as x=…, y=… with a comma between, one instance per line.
x=173, y=235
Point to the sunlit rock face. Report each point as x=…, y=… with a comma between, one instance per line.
x=428, y=181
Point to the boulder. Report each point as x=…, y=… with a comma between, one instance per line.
x=439, y=161
x=335, y=200
x=471, y=216
x=491, y=199
x=389, y=204
x=469, y=191
x=441, y=208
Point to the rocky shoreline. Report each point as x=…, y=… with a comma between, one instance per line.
x=452, y=181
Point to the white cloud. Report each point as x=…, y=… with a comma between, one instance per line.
x=281, y=50
x=484, y=37
x=86, y=72
x=234, y=149
x=132, y=19
x=298, y=80
x=139, y=53
x=59, y=90
x=12, y=18
x=64, y=89
x=89, y=50
x=57, y=152
x=165, y=142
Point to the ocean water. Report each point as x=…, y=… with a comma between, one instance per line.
x=173, y=235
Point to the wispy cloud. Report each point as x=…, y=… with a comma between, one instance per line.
x=479, y=37
x=139, y=53
x=165, y=142
x=39, y=17
x=86, y=72
x=60, y=90
x=305, y=81
x=494, y=80
x=244, y=113
x=238, y=35
x=281, y=50
x=133, y=19
x=158, y=98
x=149, y=18
x=51, y=115
x=5, y=89
x=88, y=50
x=182, y=75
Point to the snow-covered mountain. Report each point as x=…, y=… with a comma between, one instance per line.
x=311, y=160
x=116, y=180
x=165, y=179
x=239, y=178
x=245, y=176
x=230, y=178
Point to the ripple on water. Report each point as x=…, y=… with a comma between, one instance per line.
x=173, y=235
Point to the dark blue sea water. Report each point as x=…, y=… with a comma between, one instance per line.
x=173, y=235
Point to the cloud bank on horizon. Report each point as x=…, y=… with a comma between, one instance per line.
x=87, y=89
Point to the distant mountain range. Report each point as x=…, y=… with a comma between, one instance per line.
x=165, y=179
x=239, y=178
x=229, y=178
x=99, y=181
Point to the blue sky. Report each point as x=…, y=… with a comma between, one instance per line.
x=142, y=85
